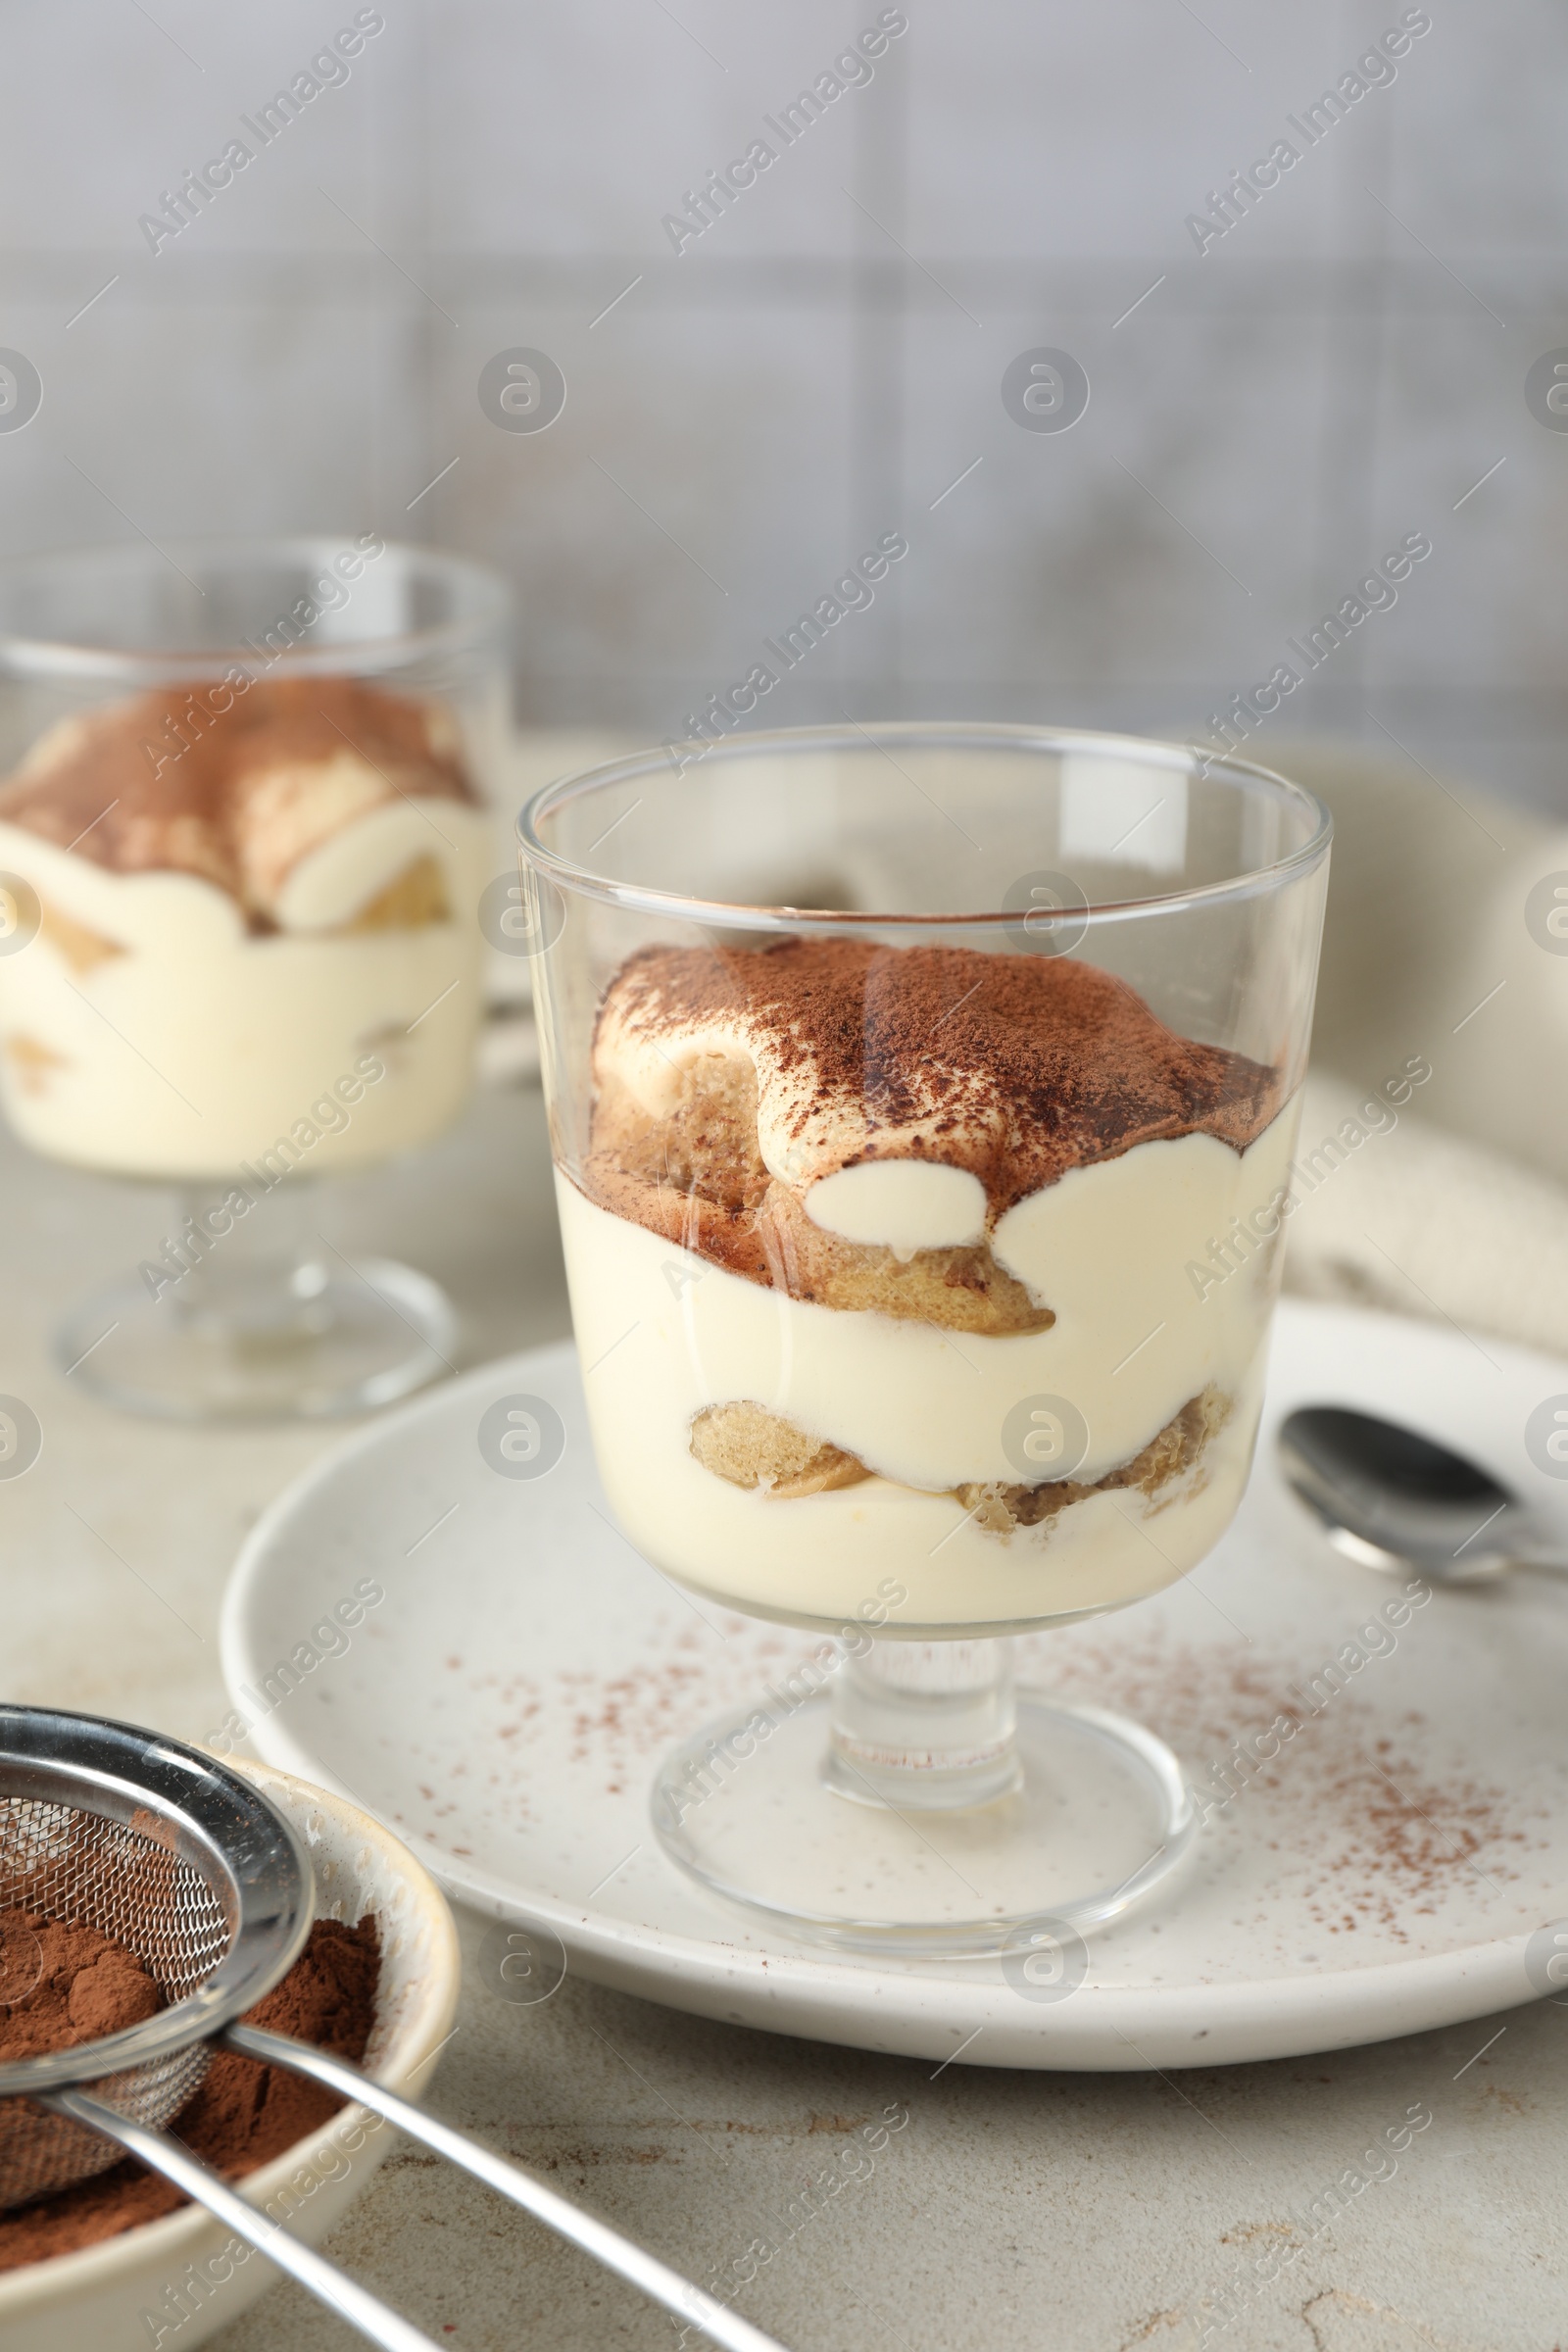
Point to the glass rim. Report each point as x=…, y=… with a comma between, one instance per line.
x=28, y=655
x=567, y=875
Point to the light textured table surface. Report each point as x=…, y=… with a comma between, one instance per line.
x=1069, y=2213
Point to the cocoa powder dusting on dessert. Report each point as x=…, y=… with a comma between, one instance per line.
x=833, y=1052
x=259, y=782
x=1045, y=1053
x=242, y=2115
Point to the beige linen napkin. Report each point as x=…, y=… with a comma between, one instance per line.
x=1435, y=945
x=1425, y=1223
x=1433, y=949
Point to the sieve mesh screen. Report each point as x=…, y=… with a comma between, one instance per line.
x=62, y=1862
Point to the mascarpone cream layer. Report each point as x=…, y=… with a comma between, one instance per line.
x=193, y=1043
x=904, y=1204
x=665, y=1332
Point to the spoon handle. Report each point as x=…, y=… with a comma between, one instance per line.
x=595, y=2237
x=165, y=2154
x=1546, y=1560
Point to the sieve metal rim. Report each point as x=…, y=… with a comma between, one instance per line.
x=219, y=1821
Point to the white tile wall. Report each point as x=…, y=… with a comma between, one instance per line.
x=826, y=358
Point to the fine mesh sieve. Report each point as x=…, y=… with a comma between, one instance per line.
x=184, y=1864
x=188, y=1866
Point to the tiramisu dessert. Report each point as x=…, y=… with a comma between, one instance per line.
x=882, y=1263
x=253, y=901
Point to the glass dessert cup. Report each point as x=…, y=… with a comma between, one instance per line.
x=922, y=1101
x=244, y=835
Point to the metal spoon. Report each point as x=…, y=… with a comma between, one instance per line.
x=1390, y=1499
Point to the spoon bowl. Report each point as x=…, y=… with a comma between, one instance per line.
x=1393, y=1498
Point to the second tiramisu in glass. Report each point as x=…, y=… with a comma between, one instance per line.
x=243, y=843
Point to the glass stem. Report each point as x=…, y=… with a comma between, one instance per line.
x=258, y=1275
x=925, y=1725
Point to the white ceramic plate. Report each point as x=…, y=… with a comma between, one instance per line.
x=502, y=1707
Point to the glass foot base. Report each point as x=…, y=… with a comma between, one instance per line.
x=309, y=1348
x=1098, y=1814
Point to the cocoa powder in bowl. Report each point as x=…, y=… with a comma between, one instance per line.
x=86, y=1985
x=242, y=2115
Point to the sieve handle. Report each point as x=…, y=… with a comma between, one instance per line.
x=585, y=2229
x=170, y=2157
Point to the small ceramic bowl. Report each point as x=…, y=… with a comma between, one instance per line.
x=172, y=2283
